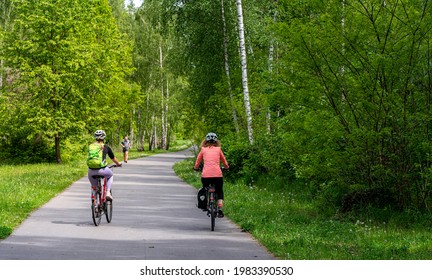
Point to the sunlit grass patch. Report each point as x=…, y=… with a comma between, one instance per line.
x=24, y=188
x=290, y=222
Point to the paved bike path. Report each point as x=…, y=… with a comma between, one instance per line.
x=154, y=218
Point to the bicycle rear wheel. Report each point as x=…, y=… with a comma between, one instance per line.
x=108, y=210
x=213, y=215
x=96, y=209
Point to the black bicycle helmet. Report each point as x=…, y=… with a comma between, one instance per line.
x=211, y=137
x=99, y=134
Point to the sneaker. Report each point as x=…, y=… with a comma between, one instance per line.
x=220, y=214
x=108, y=195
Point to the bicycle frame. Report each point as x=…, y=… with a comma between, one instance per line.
x=100, y=204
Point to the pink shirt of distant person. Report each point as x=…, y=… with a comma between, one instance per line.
x=212, y=157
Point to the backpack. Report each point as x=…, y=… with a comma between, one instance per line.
x=95, y=154
x=202, y=198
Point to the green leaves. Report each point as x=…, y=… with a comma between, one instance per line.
x=366, y=58
x=68, y=58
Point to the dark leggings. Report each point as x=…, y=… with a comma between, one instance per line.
x=217, y=182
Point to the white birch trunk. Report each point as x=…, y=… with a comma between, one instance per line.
x=140, y=140
x=1, y=73
x=270, y=65
x=6, y=16
x=227, y=69
x=164, y=128
x=244, y=71
x=153, y=134
x=343, y=48
x=270, y=62
x=166, y=116
x=132, y=132
x=148, y=120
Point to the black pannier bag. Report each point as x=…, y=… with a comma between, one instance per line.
x=202, y=198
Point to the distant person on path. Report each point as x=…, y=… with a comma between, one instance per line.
x=96, y=161
x=126, y=145
x=212, y=155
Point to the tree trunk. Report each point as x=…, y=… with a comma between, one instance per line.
x=1, y=73
x=6, y=8
x=227, y=69
x=57, y=148
x=270, y=65
x=244, y=71
x=140, y=140
x=343, y=48
x=131, y=130
x=163, y=101
x=153, y=136
x=166, y=128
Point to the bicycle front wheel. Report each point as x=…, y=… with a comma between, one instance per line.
x=96, y=209
x=108, y=210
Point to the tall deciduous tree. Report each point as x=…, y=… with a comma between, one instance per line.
x=227, y=66
x=245, y=82
x=153, y=44
x=69, y=64
x=5, y=19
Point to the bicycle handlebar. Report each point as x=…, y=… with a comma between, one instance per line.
x=201, y=168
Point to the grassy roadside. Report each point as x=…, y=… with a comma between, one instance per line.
x=291, y=225
x=27, y=187
x=24, y=188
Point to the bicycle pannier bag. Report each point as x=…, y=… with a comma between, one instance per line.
x=94, y=158
x=202, y=198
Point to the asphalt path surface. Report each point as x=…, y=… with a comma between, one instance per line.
x=154, y=218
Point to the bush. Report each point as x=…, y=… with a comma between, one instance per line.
x=19, y=150
x=371, y=197
x=237, y=154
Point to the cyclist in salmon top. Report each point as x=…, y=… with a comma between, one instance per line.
x=212, y=155
x=101, y=167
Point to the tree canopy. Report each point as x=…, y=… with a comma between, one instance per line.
x=338, y=92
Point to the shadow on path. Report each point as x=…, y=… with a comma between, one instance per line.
x=154, y=218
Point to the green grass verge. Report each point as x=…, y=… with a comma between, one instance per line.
x=24, y=188
x=291, y=224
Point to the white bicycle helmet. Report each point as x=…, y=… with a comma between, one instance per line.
x=211, y=137
x=99, y=134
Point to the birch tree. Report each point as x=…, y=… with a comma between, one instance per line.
x=5, y=18
x=227, y=67
x=152, y=52
x=242, y=42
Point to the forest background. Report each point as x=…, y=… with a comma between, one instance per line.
x=332, y=96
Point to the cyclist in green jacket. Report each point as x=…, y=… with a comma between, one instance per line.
x=100, y=168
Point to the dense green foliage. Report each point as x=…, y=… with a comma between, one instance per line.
x=66, y=68
x=340, y=91
x=340, y=94
x=360, y=117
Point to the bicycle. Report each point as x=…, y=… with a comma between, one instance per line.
x=212, y=208
x=100, y=205
x=212, y=205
